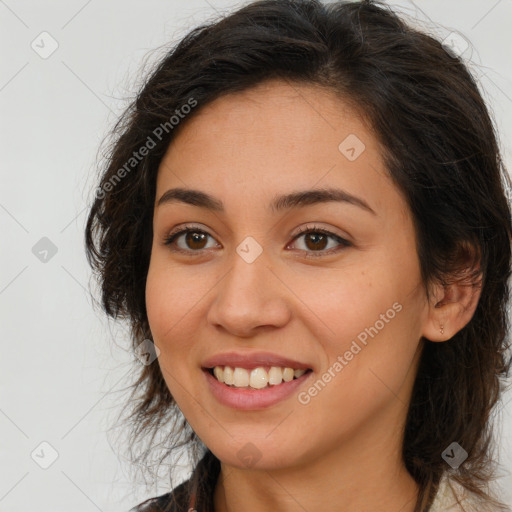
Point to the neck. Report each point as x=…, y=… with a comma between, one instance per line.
x=366, y=472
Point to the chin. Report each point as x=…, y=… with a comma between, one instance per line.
x=256, y=455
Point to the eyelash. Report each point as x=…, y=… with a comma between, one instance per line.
x=170, y=239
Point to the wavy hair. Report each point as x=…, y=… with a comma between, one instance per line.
x=440, y=148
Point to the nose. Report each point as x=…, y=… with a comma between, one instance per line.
x=249, y=299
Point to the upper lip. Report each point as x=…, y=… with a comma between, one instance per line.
x=252, y=360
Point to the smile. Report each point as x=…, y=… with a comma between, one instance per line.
x=255, y=378
x=248, y=398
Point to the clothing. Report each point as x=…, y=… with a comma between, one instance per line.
x=446, y=501
x=184, y=499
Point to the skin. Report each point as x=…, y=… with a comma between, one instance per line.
x=341, y=451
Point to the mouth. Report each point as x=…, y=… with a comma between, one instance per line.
x=260, y=378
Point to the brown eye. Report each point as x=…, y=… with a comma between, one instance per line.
x=187, y=240
x=195, y=240
x=316, y=240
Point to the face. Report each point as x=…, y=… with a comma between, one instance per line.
x=332, y=283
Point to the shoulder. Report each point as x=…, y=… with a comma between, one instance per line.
x=452, y=497
x=194, y=493
x=446, y=498
x=173, y=501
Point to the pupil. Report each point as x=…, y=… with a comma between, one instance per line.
x=316, y=237
x=193, y=238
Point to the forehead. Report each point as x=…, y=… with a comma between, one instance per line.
x=280, y=113
x=271, y=138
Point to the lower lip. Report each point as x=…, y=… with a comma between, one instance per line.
x=253, y=399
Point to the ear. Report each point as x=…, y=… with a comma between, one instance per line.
x=452, y=306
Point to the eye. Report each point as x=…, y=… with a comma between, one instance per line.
x=315, y=240
x=194, y=240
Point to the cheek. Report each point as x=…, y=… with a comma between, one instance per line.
x=165, y=307
x=175, y=309
x=369, y=369
x=169, y=296
x=373, y=318
x=346, y=301
x=156, y=301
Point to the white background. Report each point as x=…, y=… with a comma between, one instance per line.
x=63, y=366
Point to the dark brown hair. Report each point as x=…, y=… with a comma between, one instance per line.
x=440, y=148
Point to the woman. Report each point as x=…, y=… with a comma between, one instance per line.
x=304, y=217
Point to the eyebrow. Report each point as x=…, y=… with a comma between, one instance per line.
x=283, y=202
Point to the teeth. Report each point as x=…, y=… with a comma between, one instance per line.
x=227, y=375
x=257, y=378
x=288, y=374
x=241, y=378
x=275, y=376
x=219, y=374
